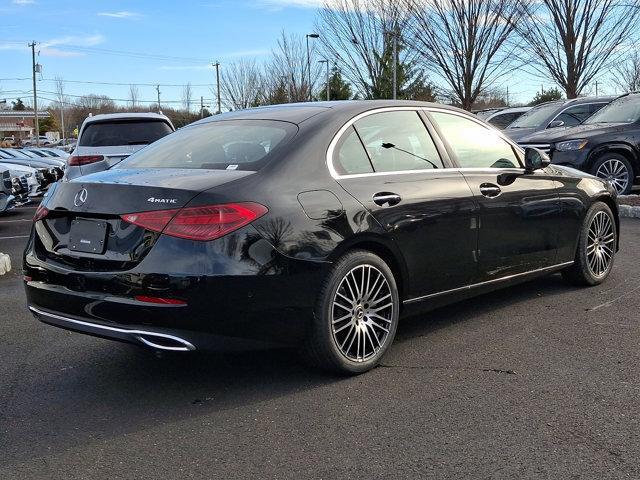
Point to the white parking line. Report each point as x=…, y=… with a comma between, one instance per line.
x=18, y=220
x=19, y=236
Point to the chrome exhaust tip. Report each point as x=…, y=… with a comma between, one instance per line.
x=158, y=341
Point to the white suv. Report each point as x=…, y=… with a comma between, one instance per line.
x=106, y=140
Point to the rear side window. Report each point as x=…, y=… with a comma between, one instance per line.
x=351, y=155
x=123, y=132
x=501, y=120
x=398, y=141
x=222, y=145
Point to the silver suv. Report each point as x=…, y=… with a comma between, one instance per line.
x=106, y=140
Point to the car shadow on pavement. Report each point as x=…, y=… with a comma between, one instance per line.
x=94, y=390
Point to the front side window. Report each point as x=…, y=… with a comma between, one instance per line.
x=475, y=145
x=398, y=141
x=574, y=115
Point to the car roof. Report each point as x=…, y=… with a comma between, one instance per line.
x=299, y=112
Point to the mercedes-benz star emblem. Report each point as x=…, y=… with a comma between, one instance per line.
x=81, y=197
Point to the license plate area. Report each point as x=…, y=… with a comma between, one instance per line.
x=88, y=236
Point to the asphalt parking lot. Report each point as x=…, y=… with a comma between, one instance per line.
x=536, y=381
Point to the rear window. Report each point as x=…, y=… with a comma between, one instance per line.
x=222, y=145
x=123, y=132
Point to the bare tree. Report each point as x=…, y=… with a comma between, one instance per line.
x=133, y=96
x=465, y=42
x=289, y=61
x=241, y=84
x=187, y=97
x=357, y=35
x=626, y=74
x=573, y=41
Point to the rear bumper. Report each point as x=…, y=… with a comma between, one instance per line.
x=255, y=294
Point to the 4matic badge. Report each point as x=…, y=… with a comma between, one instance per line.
x=162, y=200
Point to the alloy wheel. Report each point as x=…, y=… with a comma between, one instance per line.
x=362, y=313
x=615, y=172
x=600, y=244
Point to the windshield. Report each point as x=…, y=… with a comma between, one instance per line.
x=221, y=145
x=622, y=110
x=123, y=132
x=536, y=116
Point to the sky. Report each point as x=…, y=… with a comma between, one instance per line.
x=173, y=43
x=206, y=32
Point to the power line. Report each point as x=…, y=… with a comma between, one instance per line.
x=119, y=84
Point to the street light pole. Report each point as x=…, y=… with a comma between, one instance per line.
x=328, y=90
x=308, y=36
x=395, y=65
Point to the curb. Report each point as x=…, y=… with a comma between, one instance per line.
x=629, y=211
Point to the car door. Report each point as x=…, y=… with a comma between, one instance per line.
x=519, y=211
x=388, y=160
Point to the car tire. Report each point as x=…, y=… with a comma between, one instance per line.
x=614, y=167
x=597, y=243
x=356, y=315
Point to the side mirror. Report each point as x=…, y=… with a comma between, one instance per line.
x=535, y=159
x=556, y=124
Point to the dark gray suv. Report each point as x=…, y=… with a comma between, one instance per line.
x=561, y=113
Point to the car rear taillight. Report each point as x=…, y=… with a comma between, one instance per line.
x=80, y=160
x=199, y=223
x=41, y=213
x=159, y=300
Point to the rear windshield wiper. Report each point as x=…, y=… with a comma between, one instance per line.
x=391, y=145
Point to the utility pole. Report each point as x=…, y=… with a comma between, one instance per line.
x=507, y=95
x=158, y=90
x=62, y=116
x=35, y=95
x=217, y=65
x=201, y=107
x=596, y=88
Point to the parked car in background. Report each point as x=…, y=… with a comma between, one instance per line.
x=35, y=178
x=560, y=113
x=505, y=117
x=606, y=145
x=7, y=199
x=106, y=140
x=487, y=112
x=51, y=169
x=55, y=152
x=315, y=225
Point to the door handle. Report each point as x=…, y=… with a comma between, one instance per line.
x=386, y=198
x=490, y=190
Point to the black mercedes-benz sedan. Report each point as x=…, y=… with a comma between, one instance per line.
x=316, y=225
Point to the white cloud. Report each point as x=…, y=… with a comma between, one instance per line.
x=55, y=46
x=23, y=2
x=121, y=14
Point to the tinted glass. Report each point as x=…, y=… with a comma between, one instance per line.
x=623, y=110
x=138, y=132
x=475, y=145
x=536, y=116
x=574, y=115
x=398, y=141
x=223, y=145
x=351, y=157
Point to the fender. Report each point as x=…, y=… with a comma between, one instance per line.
x=620, y=147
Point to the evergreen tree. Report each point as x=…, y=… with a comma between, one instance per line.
x=339, y=88
x=18, y=105
x=546, y=96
